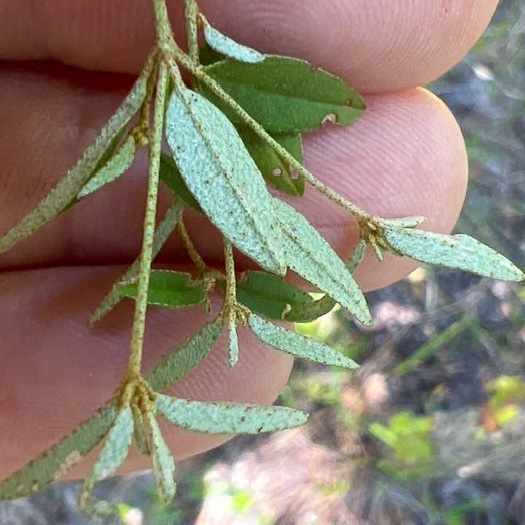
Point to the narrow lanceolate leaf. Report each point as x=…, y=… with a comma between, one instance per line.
x=404, y=222
x=68, y=188
x=285, y=94
x=116, y=166
x=163, y=463
x=455, y=251
x=170, y=175
x=227, y=418
x=174, y=290
x=309, y=254
x=226, y=46
x=298, y=345
x=270, y=295
x=223, y=177
x=274, y=170
x=139, y=432
x=184, y=358
x=233, y=343
x=308, y=312
x=164, y=230
x=56, y=461
x=116, y=447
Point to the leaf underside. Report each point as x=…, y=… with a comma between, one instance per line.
x=116, y=166
x=284, y=94
x=297, y=345
x=227, y=418
x=223, y=177
x=49, y=466
x=311, y=256
x=68, y=188
x=163, y=463
x=455, y=251
x=116, y=447
x=228, y=47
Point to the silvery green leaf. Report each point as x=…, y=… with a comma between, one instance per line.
x=403, y=222
x=163, y=463
x=116, y=447
x=113, y=454
x=170, y=175
x=176, y=290
x=307, y=253
x=226, y=46
x=233, y=343
x=312, y=310
x=141, y=439
x=298, y=345
x=185, y=357
x=164, y=230
x=284, y=94
x=223, y=177
x=227, y=418
x=116, y=166
x=68, y=188
x=56, y=461
x=455, y=251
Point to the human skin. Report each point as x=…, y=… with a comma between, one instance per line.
x=67, y=65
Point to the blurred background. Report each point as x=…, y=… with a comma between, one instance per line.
x=431, y=430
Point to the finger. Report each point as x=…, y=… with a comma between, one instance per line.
x=377, y=45
x=405, y=156
x=56, y=372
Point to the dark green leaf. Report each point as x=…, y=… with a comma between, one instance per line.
x=270, y=295
x=311, y=256
x=274, y=170
x=169, y=289
x=226, y=46
x=170, y=175
x=227, y=418
x=184, y=358
x=455, y=251
x=285, y=94
x=163, y=463
x=116, y=166
x=164, y=230
x=68, y=188
x=298, y=345
x=208, y=55
x=223, y=177
x=55, y=462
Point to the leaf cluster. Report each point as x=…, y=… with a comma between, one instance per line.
x=235, y=131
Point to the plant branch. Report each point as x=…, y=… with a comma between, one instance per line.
x=139, y=322
x=174, y=54
x=192, y=28
x=194, y=255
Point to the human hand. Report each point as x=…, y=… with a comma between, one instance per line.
x=404, y=157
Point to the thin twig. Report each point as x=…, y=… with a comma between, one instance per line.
x=141, y=305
